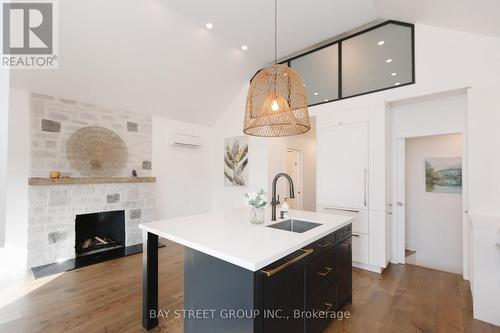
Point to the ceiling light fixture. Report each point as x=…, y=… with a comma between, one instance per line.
x=381, y=43
x=316, y=93
x=244, y=47
x=276, y=100
x=394, y=74
x=325, y=100
x=388, y=60
x=209, y=25
x=397, y=84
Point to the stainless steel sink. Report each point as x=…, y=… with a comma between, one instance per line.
x=294, y=225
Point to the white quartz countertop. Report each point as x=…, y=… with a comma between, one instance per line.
x=231, y=237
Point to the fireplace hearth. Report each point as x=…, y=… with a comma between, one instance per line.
x=99, y=232
x=98, y=237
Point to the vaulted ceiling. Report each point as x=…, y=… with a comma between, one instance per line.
x=157, y=56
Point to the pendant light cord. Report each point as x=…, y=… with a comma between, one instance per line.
x=275, y=31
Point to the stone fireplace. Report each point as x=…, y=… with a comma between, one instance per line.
x=55, y=210
x=62, y=212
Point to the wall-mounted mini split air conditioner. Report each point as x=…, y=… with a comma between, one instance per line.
x=185, y=141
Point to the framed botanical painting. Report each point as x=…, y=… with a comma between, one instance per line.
x=236, y=161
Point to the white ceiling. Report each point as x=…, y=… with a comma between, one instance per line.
x=476, y=16
x=156, y=55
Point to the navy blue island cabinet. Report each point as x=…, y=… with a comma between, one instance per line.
x=298, y=293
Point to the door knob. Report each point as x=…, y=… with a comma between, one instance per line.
x=399, y=203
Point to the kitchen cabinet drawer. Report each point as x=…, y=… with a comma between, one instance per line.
x=360, y=248
x=345, y=232
x=324, y=244
x=277, y=281
x=323, y=269
x=360, y=223
x=344, y=266
x=324, y=300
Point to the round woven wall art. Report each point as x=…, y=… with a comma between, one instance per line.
x=96, y=152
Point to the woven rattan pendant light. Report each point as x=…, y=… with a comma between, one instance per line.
x=276, y=101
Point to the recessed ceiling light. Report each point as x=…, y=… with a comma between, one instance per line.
x=388, y=60
x=397, y=84
x=303, y=84
x=316, y=93
x=244, y=47
x=394, y=74
x=381, y=43
x=209, y=25
x=325, y=100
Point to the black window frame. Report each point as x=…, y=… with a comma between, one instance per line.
x=339, y=42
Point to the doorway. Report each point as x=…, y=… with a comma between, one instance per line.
x=433, y=202
x=296, y=156
x=423, y=117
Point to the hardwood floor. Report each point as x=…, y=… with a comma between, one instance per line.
x=409, y=252
x=107, y=298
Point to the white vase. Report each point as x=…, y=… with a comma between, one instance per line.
x=257, y=215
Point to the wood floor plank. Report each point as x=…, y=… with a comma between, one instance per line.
x=449, y=317
x=107, y=297
x=426, y=302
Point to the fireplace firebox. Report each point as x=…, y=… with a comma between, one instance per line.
x=98, y=232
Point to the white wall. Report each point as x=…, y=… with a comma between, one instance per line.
x=229, y=125
x=486, y=268
x=18, y=170
x=446, y=60
x=183, y=174
x=306, y=143
x=483, y=150
x=4, y=121
x=442, y=113
x=433, y=220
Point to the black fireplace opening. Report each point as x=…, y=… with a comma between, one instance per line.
x=98, y=232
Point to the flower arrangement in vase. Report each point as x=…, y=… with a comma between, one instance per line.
x=258, y=202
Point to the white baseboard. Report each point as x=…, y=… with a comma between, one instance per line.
x=367, y=267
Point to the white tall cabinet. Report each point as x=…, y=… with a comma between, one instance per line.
x=343, y=183
x=342, y=165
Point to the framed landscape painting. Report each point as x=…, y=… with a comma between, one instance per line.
x=443, y=175
x=236, y=161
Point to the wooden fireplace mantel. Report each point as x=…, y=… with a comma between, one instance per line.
x=89, y=180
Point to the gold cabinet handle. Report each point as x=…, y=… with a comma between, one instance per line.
x=288, y=263
x=328, y=271
x=326, y=244
x=328, y=306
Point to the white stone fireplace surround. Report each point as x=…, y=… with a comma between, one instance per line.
x=53, y=210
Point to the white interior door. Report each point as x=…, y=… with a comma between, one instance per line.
x=342, y=166
x=398, y=204
x=293, y=162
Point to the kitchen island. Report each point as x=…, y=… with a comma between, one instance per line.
x=240, y=277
